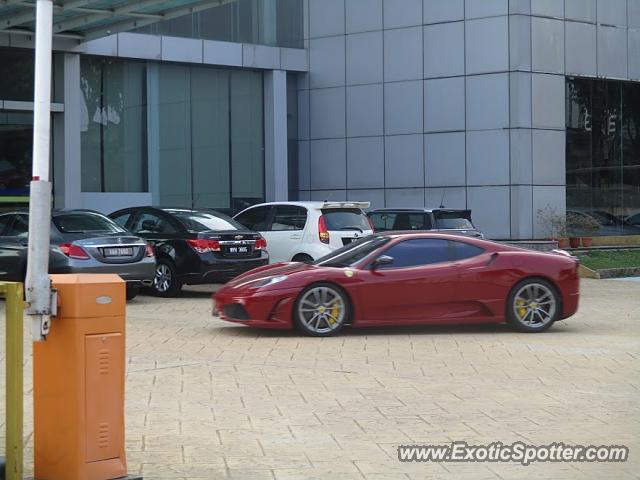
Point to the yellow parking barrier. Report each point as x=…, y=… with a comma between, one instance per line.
x=13, y=293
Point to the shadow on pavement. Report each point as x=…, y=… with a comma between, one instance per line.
x=487, y=328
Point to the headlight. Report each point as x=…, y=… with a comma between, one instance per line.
x=268, y=281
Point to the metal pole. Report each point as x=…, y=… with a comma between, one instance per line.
x=38, y=285
x=14, y=374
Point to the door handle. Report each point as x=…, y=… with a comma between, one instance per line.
x=295, y=237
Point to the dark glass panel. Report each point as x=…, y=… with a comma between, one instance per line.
x=579, y=127
x=113, y=125
x=16, y=74
x=603, y=153
x=631, y=149
x=266, y=22
x=16, y=140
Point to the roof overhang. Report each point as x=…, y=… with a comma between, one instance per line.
x=91, y=19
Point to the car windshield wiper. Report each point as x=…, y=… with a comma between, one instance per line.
x=352, y=228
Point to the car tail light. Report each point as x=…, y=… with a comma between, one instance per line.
x=323, y=233
x=149, y=251
x=202, y=245
x=73, y=251
x=261, y=244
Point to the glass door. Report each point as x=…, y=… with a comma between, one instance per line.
x=16, y=137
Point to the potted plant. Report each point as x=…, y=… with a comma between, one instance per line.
x=554, y=225
x=589, y=228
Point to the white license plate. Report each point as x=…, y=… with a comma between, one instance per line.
x=238, y=249
x=118, y=252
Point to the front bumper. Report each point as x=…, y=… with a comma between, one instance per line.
x=570, y=304
x=268, y=309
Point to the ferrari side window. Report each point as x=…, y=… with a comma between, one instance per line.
x=462, y=250
x=416, y=252
x=5, y=220
x=20, y=227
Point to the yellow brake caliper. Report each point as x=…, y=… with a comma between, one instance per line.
x=335, y=311
x=521, y=309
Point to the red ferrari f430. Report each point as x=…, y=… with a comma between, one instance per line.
x=407, y=279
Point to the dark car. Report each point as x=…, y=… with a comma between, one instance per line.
x=423, y=219
x=194, y=247
x=82, y=241
x=633, y=220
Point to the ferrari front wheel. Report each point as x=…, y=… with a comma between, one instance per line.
x=322, y=309
x=533, y=305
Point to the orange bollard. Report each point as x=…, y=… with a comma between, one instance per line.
x=78, y=378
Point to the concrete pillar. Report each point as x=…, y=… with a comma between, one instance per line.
x=275, y=131
x=72, y=127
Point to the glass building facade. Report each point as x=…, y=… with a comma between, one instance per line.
x=192, y=136
x=266, y=22
x=16, y=122
x=603, y=152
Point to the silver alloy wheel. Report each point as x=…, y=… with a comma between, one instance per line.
x=162, y=279
x=534, y=305
x=321, y=309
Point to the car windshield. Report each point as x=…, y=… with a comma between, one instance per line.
x=204, y=221
x=604, y=218
x=352, y=253
x=452, y=220
x=345, y=219
x=83, y=222
x=388, y=221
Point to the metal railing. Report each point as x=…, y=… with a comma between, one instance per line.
x=14, y=294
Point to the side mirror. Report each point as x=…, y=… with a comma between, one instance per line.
x=381, y=260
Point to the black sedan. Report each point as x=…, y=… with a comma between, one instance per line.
x=194, y=247
x=82, y=241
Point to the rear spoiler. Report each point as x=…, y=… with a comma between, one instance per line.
x=346, y=204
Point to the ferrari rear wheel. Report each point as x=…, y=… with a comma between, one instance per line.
x=533, y=305
x=322, y=309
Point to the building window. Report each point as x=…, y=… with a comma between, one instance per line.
x=603, y=152
x=206, y=145
x=190, y=135
x=17, y=74
x=16, y=139
x=113, y=125
x=266, y=22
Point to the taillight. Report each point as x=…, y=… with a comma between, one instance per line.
x=149, y=251
x=202, y=245
x=323, y=233
x=73, y=251
x=261, y=244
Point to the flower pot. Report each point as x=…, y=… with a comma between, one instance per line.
x=586, y=241
x=563, y=242
x=574, y=242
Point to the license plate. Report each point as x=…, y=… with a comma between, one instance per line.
x=118, y=252
x=238, y=250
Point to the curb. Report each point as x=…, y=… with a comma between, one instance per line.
x=619, y=272
x=585, y=272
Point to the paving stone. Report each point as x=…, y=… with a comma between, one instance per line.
x=207, y=399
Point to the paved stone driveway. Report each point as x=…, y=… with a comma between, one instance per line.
x=206, y=399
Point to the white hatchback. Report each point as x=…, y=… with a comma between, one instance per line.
x=306, y=231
